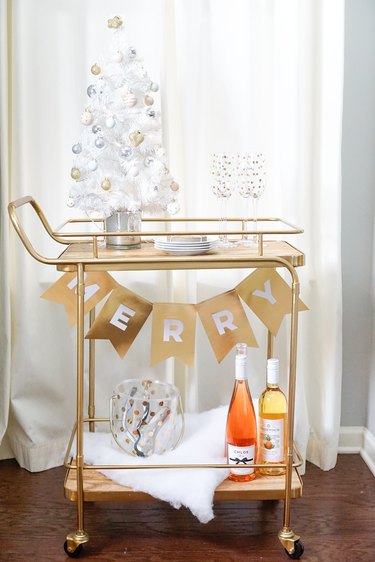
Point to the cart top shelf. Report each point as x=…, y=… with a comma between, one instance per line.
x=148, y=257
x=84, y=242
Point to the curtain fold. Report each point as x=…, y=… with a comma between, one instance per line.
x=235, y=76
x=5, y=195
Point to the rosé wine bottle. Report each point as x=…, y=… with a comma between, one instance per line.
x=241, y=429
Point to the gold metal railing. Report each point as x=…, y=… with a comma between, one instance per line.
x=68, y=238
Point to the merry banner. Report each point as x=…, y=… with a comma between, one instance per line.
x=173, y=324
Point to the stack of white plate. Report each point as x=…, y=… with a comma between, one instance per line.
x=186, y=245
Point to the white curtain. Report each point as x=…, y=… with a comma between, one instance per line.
x=234, y=75
x=5, y=158
x=268, y=75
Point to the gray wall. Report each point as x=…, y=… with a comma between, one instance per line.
x=358, y=177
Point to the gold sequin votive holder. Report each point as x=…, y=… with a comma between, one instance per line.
x=146, y=417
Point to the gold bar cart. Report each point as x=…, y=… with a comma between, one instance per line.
x=82, y=253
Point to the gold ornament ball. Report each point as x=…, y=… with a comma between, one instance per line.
x=174, y=186
x=106, y=184
x=75, y=173
x=136, y=138
x=95, y=69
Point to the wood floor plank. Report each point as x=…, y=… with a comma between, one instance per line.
x=335, y=518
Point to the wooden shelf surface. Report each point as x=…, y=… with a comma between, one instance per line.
x=98, y=487
x=148, y=257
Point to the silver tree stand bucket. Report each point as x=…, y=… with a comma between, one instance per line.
x=123, y=221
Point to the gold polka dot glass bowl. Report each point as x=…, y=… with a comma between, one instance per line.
x=146, y=417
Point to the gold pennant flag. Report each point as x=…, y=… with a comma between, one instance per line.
x=121, y=319
x=97, y=285
x=225, y=323
x=268, y=296
x=173, y=332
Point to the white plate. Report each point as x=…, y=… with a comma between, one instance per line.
x=194, y=240
x=185, y=252
x=184, y=247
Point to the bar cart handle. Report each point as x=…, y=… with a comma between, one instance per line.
x=13, y=205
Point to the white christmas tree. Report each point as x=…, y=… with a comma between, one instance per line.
x=120, y=162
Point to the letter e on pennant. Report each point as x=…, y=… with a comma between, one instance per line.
x=122, y=316
x=121, y=319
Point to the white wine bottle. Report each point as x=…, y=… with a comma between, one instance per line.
x=241, y=429
x=272, y=423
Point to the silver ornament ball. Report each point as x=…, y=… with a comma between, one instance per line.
x=99, y=143
x=148, y=161
x=126, y=151
x=96, y=129
x=77, y=148
x=151, y=112
x=154, y=87
x=91, y=91
x=132, y=52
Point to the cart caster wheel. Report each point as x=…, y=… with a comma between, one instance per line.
x=298, y=551
x=73, y=553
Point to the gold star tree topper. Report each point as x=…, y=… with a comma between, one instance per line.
x=115, y=22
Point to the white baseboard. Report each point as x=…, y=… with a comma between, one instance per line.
x=358, y=439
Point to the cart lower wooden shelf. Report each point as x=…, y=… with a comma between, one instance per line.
x=97, y=487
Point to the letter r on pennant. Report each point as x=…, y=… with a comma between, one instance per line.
x=224, y=319
x=173, y=329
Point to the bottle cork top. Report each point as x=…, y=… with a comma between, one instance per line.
x=241, y=361
x=273, y=371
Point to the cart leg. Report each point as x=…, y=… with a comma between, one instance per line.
x=91, y=409
x=290, y=541
x=293, y=546
x=74, y=544
x=74, y=541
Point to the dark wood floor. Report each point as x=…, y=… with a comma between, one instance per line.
x=335, y=518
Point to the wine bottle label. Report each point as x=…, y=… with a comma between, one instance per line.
x=241, y=456
x=271, y=443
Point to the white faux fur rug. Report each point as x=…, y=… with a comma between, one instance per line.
x=203, y=442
